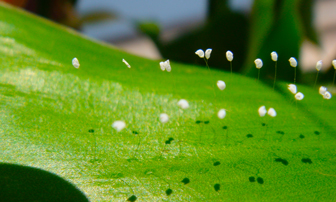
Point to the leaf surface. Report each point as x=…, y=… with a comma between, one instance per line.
x=59, y=118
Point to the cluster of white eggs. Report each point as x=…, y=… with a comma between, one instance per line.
x=183, y=104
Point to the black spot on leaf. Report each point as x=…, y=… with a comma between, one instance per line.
x=169, y=192
x=185, y=181
x=225, y=127
x=307, y=160
x=132, y=198
x=280, y=132
x=249, y=135
x=217, y=187
x=217, y=163
x=252, y=179
x=260, y=180
x=91, y=131
x=302, y=136
x=283, y=161
x=198, y=122
x=132, y=159
x=206, y=122
x=169, y=140
x=278, y=160
x=317, y=133
x=135, y=132
x=263, y=124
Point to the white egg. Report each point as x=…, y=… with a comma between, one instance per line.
x=292, y=88
x=126, y=63
x=75, y=63
x=327, y=95
x=262, y=111
x=292, y=62
x=299, y=96
x=164, y=118
x=322, y=90
x=319, y=65
x=229, y=56
x=271, y=112
x=183, y=104
x=168, y=67
x=221, y=113
x=165, y=66
x=221, y=85
x=274, y=56
x=200, y=53
x=208, y=53
x=258, y=63
x=119, y=125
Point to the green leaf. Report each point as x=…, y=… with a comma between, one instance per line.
x=59, y=118
x=262, y=19
x=281, y=26
x=305, y=9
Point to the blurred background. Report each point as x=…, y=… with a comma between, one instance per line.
x=175, y=29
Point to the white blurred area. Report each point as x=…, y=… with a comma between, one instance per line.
x=179, y=16
x=325, y=24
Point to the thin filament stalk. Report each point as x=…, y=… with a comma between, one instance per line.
x=316, y=78
x=275, y=75
x=206, y=62
x=258, y=74
x=294, y=75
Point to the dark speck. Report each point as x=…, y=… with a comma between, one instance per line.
x=206, y=122
x=217, y=163
x=198, y=122
x=135, y=132
x=283, y=161
x=249, y=135
x=217, y=187
x=132, y=159
x=263, y=124
x=281, y=132
x=260, y=180
x=169, y=140
x=278, y=160
x=91, y=131
x=252, y=179
x=169, y=192
x=93, y=160
x=225, y=127
x=302, y=136
x=307, y=160
x=185, y=181
x=317, y=133
x=132, y=198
